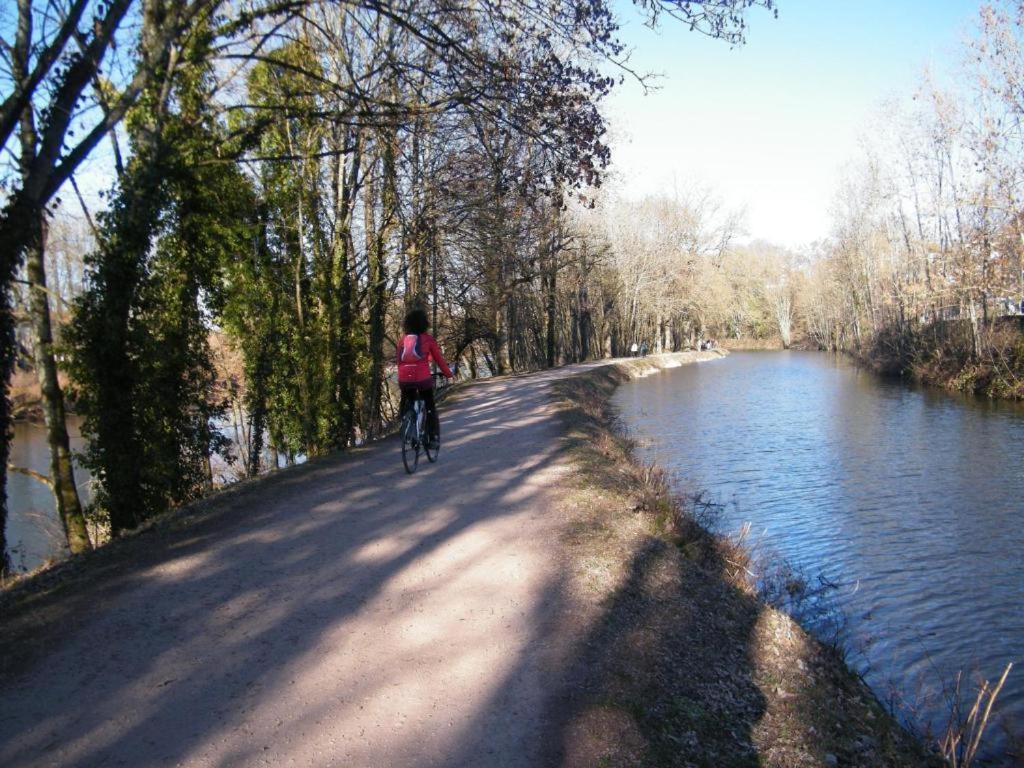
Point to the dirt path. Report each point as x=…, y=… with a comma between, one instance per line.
x=344, y=614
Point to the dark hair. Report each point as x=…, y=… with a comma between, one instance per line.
x=416, y=321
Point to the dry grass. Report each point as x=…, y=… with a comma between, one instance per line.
x=963, y=734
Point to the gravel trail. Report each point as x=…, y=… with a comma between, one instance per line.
x=340, y=614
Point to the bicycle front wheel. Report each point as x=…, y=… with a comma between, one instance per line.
x=410, y=444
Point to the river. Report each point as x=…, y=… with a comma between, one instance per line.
x=910, y=499
x=34, y=531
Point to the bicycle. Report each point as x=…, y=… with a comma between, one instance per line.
x=414, y=434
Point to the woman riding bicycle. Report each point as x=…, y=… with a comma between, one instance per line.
x=416, y=349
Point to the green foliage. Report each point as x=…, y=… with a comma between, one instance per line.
x=284, y=303
x=140, y=362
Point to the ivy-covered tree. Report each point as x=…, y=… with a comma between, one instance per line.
x=140, y=350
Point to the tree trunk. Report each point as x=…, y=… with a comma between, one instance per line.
x=343, y=315
x=377, y=294
x=257, y=418
x=62, y=474
x=583, y=299
x=415, y=244
x=376, y=243
x=502, y=361
x=310, y=435
x=972, y=313
x=552, y=307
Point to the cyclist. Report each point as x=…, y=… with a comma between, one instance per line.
x=416, y=349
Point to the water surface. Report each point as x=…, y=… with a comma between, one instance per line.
x=34, y=531
x=912, y=499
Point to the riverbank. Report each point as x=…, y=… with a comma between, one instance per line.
x=773, y=343
x=688, y=665
x=943, y=354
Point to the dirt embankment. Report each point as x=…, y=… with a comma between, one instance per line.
x=946, y=354
x=686, y=665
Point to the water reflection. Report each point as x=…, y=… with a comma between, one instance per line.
x=34, y=532
x=910, y=497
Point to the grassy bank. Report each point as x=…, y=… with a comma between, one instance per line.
x=942, y=354
x=687, y=665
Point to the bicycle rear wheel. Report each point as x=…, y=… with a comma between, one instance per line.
x=410, y=443
x=432, y=449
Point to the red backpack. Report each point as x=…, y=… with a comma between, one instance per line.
x=410, y=352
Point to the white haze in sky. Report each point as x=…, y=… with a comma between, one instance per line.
x=770, y=126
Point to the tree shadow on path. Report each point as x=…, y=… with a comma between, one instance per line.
x=255, y=626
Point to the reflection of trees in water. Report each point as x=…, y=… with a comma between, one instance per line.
x=35, y=533
x=46, y=539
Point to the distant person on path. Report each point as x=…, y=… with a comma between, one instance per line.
x=633, y=350
x=416, y=350
x=643, y=349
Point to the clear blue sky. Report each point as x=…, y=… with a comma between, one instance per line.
x=769, y=125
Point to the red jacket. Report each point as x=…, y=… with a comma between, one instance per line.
x=413, y=356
